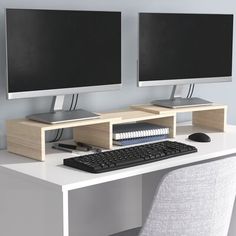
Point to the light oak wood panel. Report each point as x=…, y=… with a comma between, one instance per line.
x=213, y=119
x=26, y=140
x=27, y=137
x=166, y=122
x=99, y=135
x=163, y=110
x=152, y=109
x=131, y=116
x=71, y=124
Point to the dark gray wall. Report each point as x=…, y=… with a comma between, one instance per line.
x=130, y=94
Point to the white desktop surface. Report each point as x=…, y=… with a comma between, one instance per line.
x=47, y=198
x=53, y=173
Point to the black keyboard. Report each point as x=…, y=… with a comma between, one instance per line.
x=127, y=157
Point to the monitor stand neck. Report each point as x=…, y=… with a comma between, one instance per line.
x=176, y=101
x=174, y=94
x=57, y=103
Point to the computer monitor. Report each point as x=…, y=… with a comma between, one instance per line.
x=59, y=52
x=184, y=49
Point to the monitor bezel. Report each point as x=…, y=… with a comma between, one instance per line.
x=156, y=82
x=59, y=91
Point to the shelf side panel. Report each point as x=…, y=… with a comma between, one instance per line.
x=213, y=119
x=97, y=135
x=25, y=140
x=166, y=122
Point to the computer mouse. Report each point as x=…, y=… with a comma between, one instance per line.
x=199, y=137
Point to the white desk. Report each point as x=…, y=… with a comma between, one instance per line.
x=49, y=199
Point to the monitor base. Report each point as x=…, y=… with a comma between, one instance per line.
x=61, y=116
x=181, y=102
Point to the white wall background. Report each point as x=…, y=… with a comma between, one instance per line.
x=224, y=93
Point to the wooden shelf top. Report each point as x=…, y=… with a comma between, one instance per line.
x=131, y=115
x=164, y=111
x=46, y=127
x=115, y=117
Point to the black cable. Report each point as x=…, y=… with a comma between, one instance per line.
x=189, y=90
x=61, y=133
x=192, y=90
x=76, y=101
x=72, y=107
x=56, y=137
x=72, y=101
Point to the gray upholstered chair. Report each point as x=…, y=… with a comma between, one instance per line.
x=192, y=201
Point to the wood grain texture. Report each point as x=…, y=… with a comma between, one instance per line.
x=26, y=140
x=213, y=119
x=152, y=109
x=166, y=122
x=163, y=110
x=131, y=115
x=99, y=135
x=65, y=125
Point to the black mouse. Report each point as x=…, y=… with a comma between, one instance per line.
x=199, y=137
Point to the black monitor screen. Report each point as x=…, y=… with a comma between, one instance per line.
x=184, y=46
x=54, y=49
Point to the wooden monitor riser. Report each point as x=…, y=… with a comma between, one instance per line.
x=27, y=138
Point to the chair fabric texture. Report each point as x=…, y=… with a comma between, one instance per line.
x=193, y=201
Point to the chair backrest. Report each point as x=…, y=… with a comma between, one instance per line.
x=194, y=201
